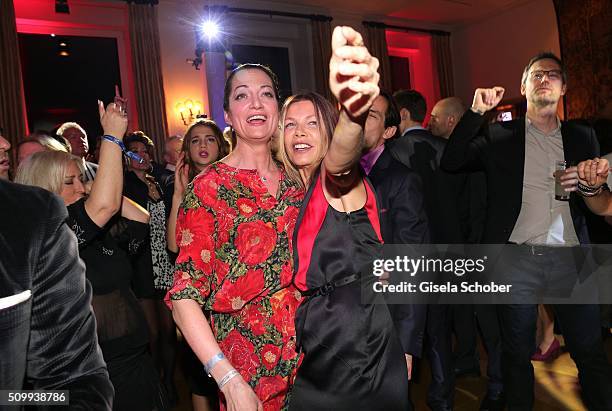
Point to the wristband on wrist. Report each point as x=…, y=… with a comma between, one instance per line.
x=125, y=151
x=210, y=364
x=230, y=374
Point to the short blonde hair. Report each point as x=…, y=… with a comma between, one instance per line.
x=46, y=169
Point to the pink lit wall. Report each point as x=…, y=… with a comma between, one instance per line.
x=417, y=48
x=86, y=18
x=495, y=51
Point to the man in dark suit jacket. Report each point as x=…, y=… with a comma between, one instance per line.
x=447, y=214
x=402, y=214
x=47, y=327
x=517, y=158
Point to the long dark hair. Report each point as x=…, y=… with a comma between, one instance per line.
x=221, y=142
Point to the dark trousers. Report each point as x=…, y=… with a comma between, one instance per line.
x=465, y=354
x=543, y=272
x=438, y=348
x=488, y=321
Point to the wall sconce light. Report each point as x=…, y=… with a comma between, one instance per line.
x=189, y=110
x=63, y=50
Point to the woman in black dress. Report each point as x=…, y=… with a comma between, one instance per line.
x=353, y=359
x=106, y=241
x=153, y=268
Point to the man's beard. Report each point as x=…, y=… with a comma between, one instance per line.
x=543, y=101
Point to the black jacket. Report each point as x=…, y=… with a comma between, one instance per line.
x=499, y=151
x=447, y=196
x=49, y=340
x=402, y=221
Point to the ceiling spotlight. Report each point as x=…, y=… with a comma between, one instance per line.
x=210, y=29
x=61, y=6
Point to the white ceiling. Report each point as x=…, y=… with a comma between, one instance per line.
x=443, y=12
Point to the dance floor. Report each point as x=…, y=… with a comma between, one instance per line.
x=556, y=388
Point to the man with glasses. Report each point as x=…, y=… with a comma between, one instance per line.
x=518, y=158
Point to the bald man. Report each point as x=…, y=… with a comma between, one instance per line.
x=445, y=115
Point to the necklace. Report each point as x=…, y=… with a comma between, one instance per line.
x=264, y=179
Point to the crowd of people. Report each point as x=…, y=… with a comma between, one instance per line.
x=252, y=241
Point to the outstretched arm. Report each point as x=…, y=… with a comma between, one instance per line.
x=593, y=174
x=353, y=80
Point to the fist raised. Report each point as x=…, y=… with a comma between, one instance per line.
x=487, y=98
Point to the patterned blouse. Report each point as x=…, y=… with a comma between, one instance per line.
x=235, y=260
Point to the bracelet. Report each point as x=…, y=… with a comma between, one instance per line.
x=231, y=374
x=125, y=151
x=210, y=364
x=587, y=191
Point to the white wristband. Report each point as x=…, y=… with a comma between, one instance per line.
x=210, y=364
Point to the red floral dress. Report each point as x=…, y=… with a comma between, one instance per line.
x=235, y=260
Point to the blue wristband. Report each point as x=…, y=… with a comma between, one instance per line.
x=128, y=153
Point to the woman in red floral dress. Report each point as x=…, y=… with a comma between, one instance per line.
x=234, y=232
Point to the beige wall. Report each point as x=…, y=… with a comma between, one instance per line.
x=494, y=51
x=177, y=43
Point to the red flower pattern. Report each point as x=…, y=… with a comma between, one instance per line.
x=255, y=242
x=234, y=236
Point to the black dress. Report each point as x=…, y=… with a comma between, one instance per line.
x=121, y=325
x=353, y=359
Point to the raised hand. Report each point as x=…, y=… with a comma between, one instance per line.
x=487, y=98
x=353, y=72
x=114, y=121
x=593, y=173
x=120, y=101
x=181, y=176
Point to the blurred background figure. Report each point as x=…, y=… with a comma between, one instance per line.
x=35, y=143
x=77, y=137
x=5, y=165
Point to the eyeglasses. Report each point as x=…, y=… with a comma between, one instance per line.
x=538, y=75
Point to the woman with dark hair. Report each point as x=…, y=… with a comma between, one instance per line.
x=353, y=358
x=234, y=236
x=106, y=242
x=153, y=267
x=203, y=144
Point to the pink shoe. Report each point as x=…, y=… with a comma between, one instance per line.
x=553, y=352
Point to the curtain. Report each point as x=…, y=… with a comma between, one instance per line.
x=321, y=52
x=585, y=36
x=11, y=97
x=150, y=99
x=376, y=41
x=442, y=63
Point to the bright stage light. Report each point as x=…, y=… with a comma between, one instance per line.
x=210, y=29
